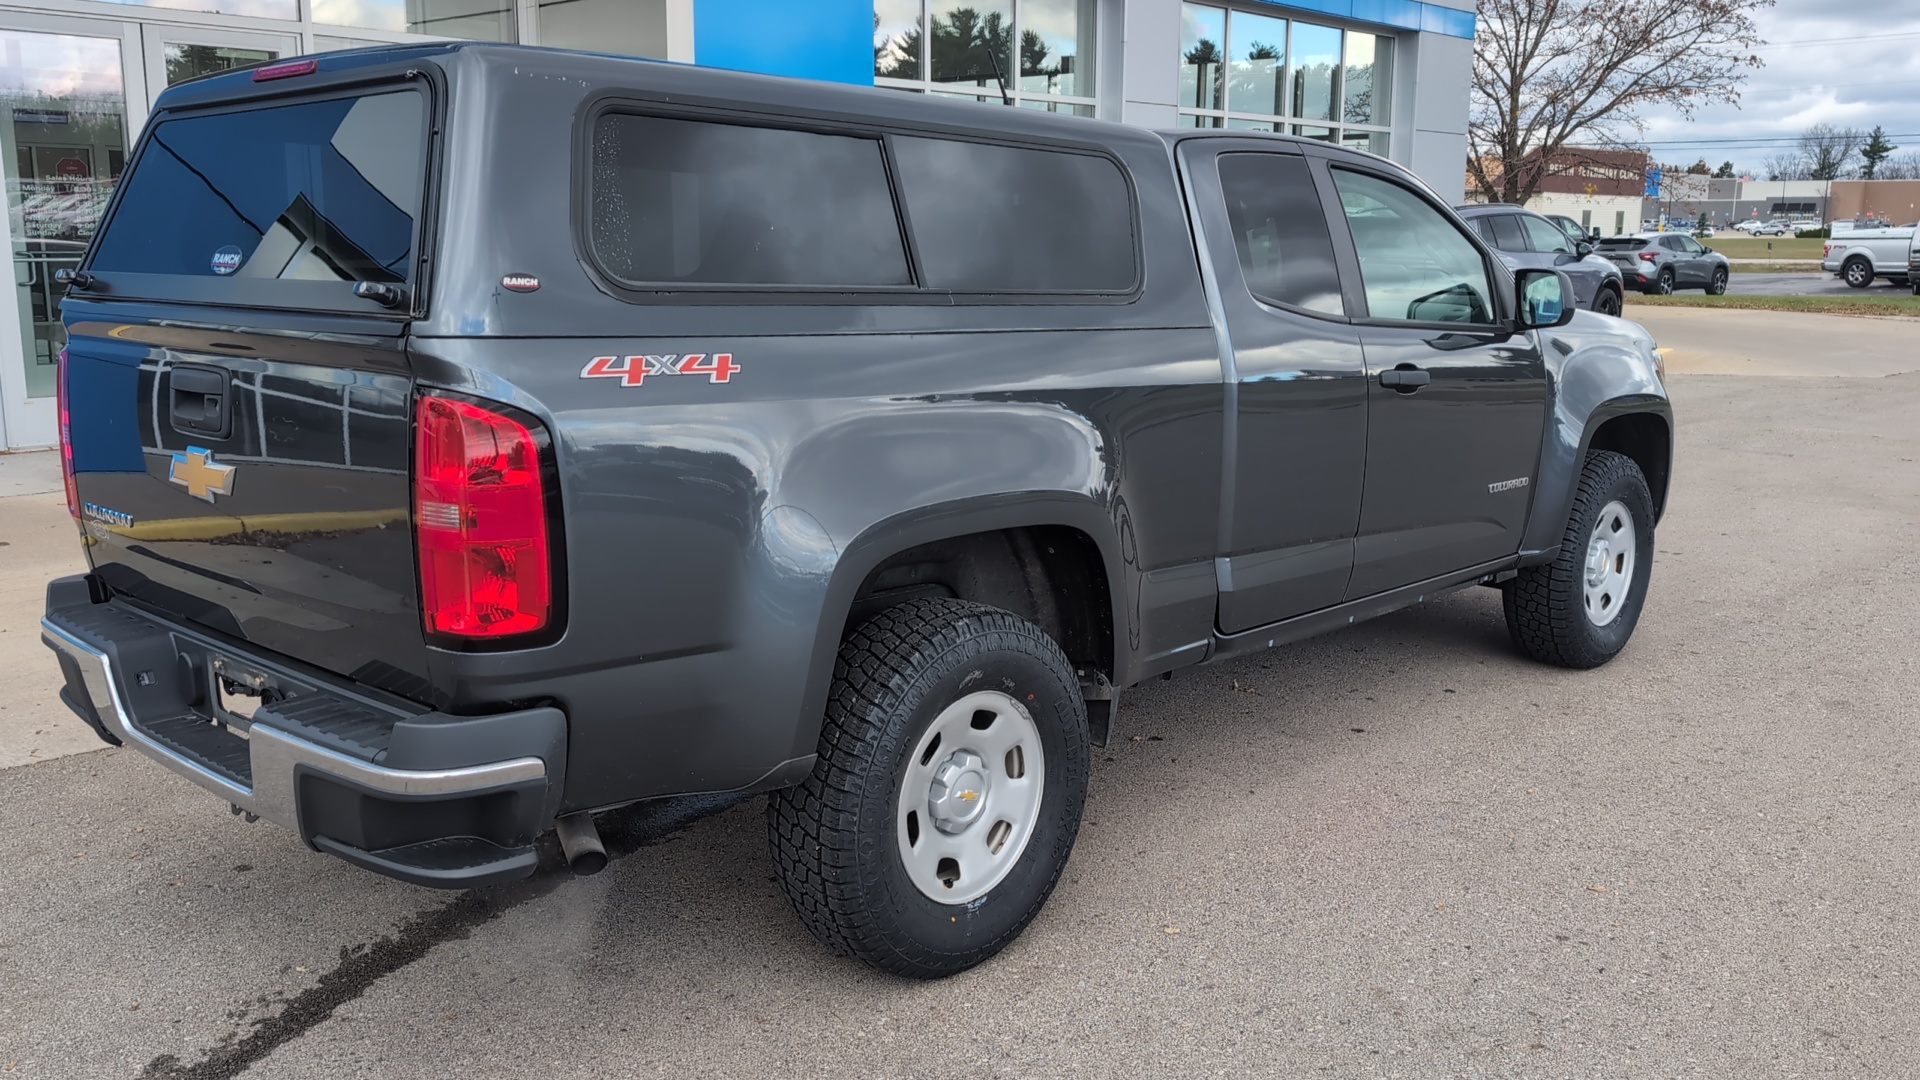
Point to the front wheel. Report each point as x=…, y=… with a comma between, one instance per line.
x=947, y=794
x=1858, y=273
x=1718, y=286
x=1607, y=301
x=1579, y=610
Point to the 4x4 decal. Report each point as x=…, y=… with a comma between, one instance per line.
x=633, y=370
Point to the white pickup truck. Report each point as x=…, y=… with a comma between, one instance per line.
x=1861, y=255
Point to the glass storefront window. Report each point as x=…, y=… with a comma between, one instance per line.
x=898, y=39
x=1196, y=121
x=1368, y=80
x=260, y=9
x=65, y=111
x=1373, y=142
x=1045, y=50
x=480, y=20
x=627, y=27
x=1323, y=134
x=187, y=61
x=1057, y=47
x=968, y=39
x=1316, y=56
x=1203, y=45
x=1244, y=124
x=1259, y=56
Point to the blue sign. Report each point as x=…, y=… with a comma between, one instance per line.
x=1653, y=182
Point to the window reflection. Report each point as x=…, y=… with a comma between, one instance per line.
x=1057, y=47
x=968, y=40
x=260, y=9
x=1259, y=56
x=481, y=20
x=64, y=98
x=627, y=27
x=1203, y=43
x=1368, y=82
x=1316, y=55
x=898, y=40
x=189, y=61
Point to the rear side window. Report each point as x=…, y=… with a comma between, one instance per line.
x=1506, y=232
x=1280, y=231
x=690, y=202
x=998, y=219
x=321, y=191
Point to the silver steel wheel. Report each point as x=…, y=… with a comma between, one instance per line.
x=1608, y=573
x=971, y=797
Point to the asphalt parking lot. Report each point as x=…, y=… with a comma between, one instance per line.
x=1397, y=851
x=1806, y=283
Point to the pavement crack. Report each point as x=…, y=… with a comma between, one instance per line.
x=362, y=966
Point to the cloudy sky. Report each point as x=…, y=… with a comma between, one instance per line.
x=1828, y=61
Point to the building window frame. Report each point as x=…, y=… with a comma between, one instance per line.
x=986, y=89
x=1335, y=131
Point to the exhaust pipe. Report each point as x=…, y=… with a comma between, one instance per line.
x=580, y=842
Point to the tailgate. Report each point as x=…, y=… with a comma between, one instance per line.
x=246, y=467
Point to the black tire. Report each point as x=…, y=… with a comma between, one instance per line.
x=1546, y=616
x=1607, y=300
x=1857, y=273
x=1916, y=286
x=1662, y=282
x=1718, y=285
x=834, y=835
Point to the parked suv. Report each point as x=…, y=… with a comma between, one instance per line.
x=1657, y=262
x=469, y=438
x=1526, y=239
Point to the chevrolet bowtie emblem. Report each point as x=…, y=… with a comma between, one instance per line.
x=203, y=477
x=969, y=796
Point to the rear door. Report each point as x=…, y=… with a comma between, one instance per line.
x=239, y=415
x=1298, y=383
x=1456, y=398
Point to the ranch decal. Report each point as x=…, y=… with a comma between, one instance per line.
x=633, y=370
x=227, y=260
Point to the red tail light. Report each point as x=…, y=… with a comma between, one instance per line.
x=480, y=522
x=1649, y=256
x=66, y=437
x=286, y=69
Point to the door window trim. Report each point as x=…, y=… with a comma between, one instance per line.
x=1253, y=147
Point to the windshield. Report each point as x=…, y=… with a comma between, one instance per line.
x=320, y=191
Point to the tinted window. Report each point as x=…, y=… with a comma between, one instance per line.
x=1416, y=265
x=1546, y=236
x=1672, y=243
x=321, y=191
x=1506, y=233
x=1691, y=246
x=1483, y=226
x=682, y=201
x=1006, y=219
x=1280, y=231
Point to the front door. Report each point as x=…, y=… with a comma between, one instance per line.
x=71, y=95
x=1456, y=399
x=1296, y=449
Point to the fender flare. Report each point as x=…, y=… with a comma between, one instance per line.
x=944, y=521
x=1561, y=503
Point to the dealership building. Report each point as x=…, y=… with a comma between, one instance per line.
x=79, y=77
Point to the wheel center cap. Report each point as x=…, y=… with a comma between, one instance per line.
x=958, y=794
x=1599, y=556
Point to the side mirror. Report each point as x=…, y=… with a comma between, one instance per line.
x=1706, y=249
x=1546, y=299
x=1595, y=234
x=1583, y=249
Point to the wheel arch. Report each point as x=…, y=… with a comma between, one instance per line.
x=1639, y=425
x=1032, y=553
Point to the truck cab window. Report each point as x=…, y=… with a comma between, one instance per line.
x=1280, y=232
x=1415, y=265
x=1547, y=238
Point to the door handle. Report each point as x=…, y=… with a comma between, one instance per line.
x=1406, y=378
x=200, y=403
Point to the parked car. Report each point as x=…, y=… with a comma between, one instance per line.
x=1574, y=230
x=1662, y=262
x=1524, y=238
x=1800, y=227
x=553, y=460
x=1772, y=228
x=1705, y=232
x=1861, y=256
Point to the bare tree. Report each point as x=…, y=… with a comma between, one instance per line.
x=1549, y=72
x=1786, y=166
x=1900, y=167
x=1828, y=150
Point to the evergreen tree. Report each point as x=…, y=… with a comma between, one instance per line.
x=1877, y=150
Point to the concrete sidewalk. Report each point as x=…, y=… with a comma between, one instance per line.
x=37, y=542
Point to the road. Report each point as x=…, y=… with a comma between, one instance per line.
x=1398, y=851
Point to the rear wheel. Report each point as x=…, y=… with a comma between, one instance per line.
x=1662, y=282
x=1607, y=300
x=1579, y=610
x=1857, y=272
x=1718, y=285
x=947, y=794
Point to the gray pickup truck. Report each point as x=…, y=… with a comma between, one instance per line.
x=467, y=439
